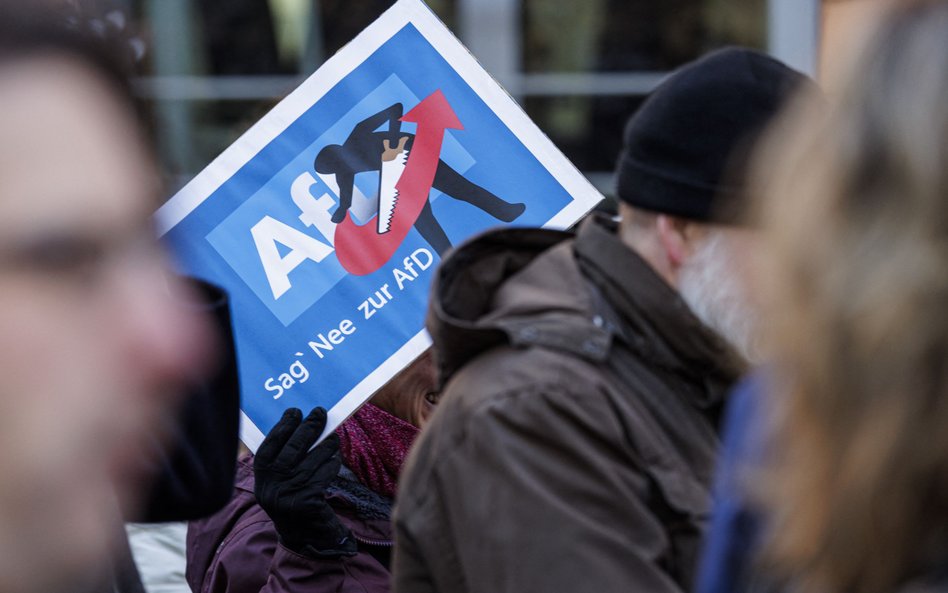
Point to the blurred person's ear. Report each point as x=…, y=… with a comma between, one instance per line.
x=678, y=239
x=673, y=239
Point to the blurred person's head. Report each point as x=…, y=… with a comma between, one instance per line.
x=92, y=352
x=412, y=393
x=680, y=181
x=375, y=441
x=857, y=279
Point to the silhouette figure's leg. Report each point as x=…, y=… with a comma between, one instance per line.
x=345, y=202
x=432, y=231
x=345, y=181
x=458, y=187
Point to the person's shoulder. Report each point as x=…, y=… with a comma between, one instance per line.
x=535, y=389
x=502, y=377
x=234, y=546
x=507, y=405
x=240, y=520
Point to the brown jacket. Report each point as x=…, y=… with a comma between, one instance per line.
x=574, y=445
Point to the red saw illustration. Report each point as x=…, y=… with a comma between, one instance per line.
x=360, y=248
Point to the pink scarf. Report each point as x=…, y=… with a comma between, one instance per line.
x=374, y=445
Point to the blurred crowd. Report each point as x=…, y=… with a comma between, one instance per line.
x=737, y=384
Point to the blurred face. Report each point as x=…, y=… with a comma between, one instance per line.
x=93, y=350
x=412, y=394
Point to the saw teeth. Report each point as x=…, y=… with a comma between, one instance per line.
x=387, y=225
x=388, y=181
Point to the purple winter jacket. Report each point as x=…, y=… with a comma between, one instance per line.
x=237, y=551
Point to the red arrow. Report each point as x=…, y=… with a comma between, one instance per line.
x=360, y=249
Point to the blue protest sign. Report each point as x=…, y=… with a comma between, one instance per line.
x=326, y=220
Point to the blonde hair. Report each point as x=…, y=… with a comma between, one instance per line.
x=857, y=214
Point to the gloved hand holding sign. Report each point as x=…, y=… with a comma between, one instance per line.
x=291, y=481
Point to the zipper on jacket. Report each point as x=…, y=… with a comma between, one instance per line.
x=373, y=542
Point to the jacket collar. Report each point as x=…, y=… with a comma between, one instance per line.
x=554, y=289
x=653, y=319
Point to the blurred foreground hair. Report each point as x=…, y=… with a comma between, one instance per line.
x=49, y=28
x=857, y=214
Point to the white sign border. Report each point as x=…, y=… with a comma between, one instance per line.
x=402, y=13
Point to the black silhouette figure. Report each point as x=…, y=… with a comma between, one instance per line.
x=365, y=149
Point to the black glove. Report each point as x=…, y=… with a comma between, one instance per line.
x=291, y=481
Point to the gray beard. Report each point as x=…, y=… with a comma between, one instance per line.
x=712, y=289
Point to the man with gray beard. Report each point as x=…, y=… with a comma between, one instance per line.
x=583, y=375
x=711, y=279
x=712, y=285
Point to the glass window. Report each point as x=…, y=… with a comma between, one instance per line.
x=619, y=36
x=212, y=67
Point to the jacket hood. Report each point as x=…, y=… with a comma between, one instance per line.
x=511, y=286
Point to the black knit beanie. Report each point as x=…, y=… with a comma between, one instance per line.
x=685, y=148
